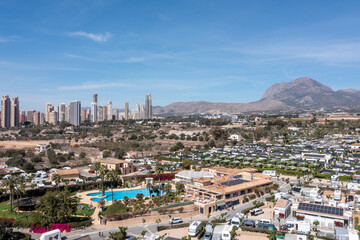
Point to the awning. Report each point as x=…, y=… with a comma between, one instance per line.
x=220, y=204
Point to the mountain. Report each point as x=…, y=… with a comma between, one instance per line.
x=299, y=94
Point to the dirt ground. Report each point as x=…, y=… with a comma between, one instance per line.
x=181, y=232
x=22, y=144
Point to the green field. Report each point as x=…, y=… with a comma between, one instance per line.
x=84, y=210
x=5, y=211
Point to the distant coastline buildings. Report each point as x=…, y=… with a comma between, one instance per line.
x=12, y=117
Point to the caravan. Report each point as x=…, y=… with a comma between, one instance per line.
x=297, y=226
x=225, y=234
x=195, y=228
x=52, y=235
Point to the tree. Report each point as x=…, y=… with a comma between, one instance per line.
x=10, y=183
x=82, y=155
x=102, y=174
x=139, y=196
x=113, y=177
x=143, y=234
x=159, y=170
x=106, y=154
x=179, y=188
x=119, y=235
x=56, y=207
x=20, y=189
x=158, y=221
x=56, y=178
x=316, y=223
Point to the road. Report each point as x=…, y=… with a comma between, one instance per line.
x=152, y=228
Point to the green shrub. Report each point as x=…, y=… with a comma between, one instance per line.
x=116, y=207
x=183, y=225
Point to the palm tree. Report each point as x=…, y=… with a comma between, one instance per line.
x=102, y=173
x=19, y=189
x=159, y=170
x=149, y=186
x=56, y=178
x=10, y=183
x=113, y=177
x=96, y=167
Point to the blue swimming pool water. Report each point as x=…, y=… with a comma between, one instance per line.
x=118, y=195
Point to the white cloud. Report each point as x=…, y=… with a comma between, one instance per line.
x=91, y=86
x=8, y=39
x=92, y=36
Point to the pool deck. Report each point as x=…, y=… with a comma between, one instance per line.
x=87, y=199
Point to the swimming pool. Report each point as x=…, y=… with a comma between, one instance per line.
x=118, y=195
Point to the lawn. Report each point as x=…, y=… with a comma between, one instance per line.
x=5, y=211
x=84, y=209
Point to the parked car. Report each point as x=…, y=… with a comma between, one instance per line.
x=209, y=228
x=91, y=171
x=262, y=221
x=175, y=220
x=235, y=221
x=256, y=211
x=249, y=223
x=351, y=207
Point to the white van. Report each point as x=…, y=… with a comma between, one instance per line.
x=54, y=234
x=235, y=221
x=225, y=234
x=194, y=228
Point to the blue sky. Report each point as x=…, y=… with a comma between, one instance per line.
x=219, y=51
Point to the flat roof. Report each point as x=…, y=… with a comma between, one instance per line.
x=217, y=187
x=112, y=161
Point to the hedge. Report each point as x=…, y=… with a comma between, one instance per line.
x=247, y=210
x=21, y=223
x=173, y=205
x=182, y=225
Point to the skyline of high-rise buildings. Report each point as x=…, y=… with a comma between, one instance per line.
x=12, y=116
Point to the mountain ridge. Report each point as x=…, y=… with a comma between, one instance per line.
x=300, y=94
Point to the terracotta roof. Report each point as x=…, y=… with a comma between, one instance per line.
x=281, y=203
x=62, y=172
x=227, y=170
x=111, y=161
x=238, y=187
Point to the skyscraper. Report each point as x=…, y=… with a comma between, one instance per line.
x=42, y=118
x=49, y=108
x=142, y=112
x=100, y=116
x=109, y=111
x=30, y=115
x=5, y=111
x=37, y=118
x=148, y=106
x=75, y=113
x=94, y=108
x=62, y=110
x=67, y=113
x=105, y=113
x=53, y=118
x=116, y=114
x=126, y=111
x=83, y=115
x=22, y=117
x=15, y=113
